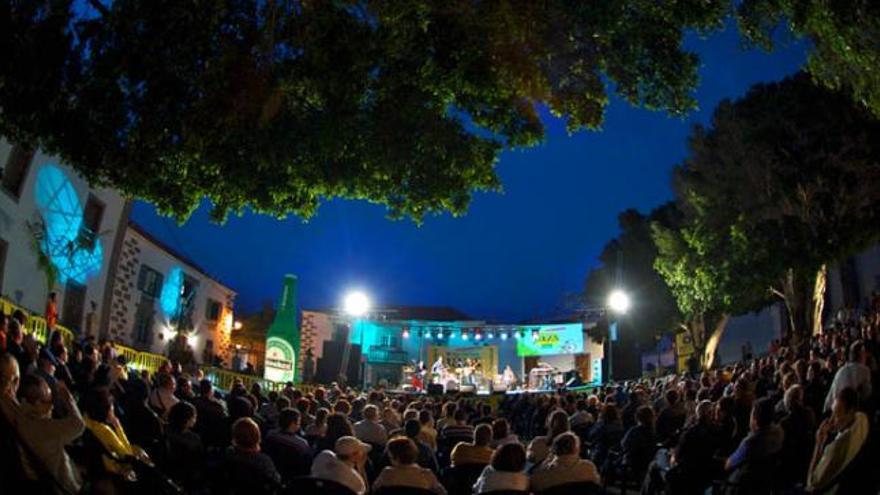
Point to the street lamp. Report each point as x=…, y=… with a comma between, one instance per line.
x=618, y=303
x=356, y=303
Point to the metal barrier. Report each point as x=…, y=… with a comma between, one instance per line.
x=221, y=378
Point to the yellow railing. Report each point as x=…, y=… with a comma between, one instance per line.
x=138, y=360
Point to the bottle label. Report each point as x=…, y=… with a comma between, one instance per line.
x=280, y=360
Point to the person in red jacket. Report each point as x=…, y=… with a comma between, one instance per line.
x=51, y=312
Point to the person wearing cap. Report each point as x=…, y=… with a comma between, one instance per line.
x=404, y=470
x=344, y=464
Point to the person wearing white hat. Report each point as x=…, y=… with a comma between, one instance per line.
x=345, y=464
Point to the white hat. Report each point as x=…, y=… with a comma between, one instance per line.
x=349, y=445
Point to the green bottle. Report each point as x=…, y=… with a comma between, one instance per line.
x=283, y=337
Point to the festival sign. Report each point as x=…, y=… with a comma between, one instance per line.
x=548, y=340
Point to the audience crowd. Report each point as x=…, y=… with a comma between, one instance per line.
x=798, y=419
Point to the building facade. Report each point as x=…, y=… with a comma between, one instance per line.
x=159, y=296
x=50, y=216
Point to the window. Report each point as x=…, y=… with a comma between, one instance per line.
x=74, y=305
x=93, y=213
x=212, y=312
x=149, y=281
x=3, y=248
x=143, y=320
x=16, y=168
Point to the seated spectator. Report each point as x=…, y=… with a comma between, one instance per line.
x=505, y=471
x=459, y=431
x=839, y=441
x=486, y=416
x=478, y=452
x=606, y=433
x=185, y=458
x=428, y=435
x=390, y=419
x=211, y=417
x=750, y=465
x=448, y=417
x=404, y=471
x=798, y=425
x=317, y=429
x=290, y=452
x=639, y=443
x=854, y=374
x=691, y=465
x=426, y=457
x=108, y=450
x=338, y=426
x=671, y=418
x=142, y=425
x=245, y=465
x=370, y=429
x=45, y=438
x=539, y=447
x=162, y=397
x=501, y=434
x=564, y=465
x=581, y=416
x=344, y=464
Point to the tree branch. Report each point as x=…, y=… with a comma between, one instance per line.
x=101, y=8
x=776, y=292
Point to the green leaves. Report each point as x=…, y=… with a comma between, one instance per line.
x=277, y=106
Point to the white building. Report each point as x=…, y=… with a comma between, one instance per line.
x=47, y=204
x=157, y=292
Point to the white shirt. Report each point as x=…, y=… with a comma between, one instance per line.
x=163, y=399
x=851, y=374
x=491, y=480
x=327, y=466
x=411, y=476
x=560, y=470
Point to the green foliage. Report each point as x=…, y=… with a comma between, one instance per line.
x=844, y=34
x=278, y=105
x=785, y=180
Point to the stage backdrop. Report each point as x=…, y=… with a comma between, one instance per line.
x=487, y=355
x=552, y=339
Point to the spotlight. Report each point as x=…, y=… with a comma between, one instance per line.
x=464, y=336
x=478, y=336
x=428, y=334
x=405, y=334
x=490, y=335
x=503, y=335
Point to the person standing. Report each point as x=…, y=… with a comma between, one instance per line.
x=51, y=312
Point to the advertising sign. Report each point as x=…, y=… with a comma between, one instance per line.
x=566, y=338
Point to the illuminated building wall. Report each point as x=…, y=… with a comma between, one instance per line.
x=83, y=228
x=158, y=291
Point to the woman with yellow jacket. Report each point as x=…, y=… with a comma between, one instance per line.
x=109, y=451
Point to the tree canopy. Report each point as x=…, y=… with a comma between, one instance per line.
x=845, y=38
x=277, y=105
x=784, y=181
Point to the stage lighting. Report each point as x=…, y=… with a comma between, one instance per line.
x=464, y=336
x=428, y=334
x=405, y=334
x=504, y=336
x=478, y=336
x=490, y=335
x=440, y=334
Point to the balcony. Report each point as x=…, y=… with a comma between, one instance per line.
x=386, y=354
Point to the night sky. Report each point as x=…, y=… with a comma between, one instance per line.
x=515, y=255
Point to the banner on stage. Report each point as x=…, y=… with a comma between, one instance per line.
x=552, y=339
x=487, y=356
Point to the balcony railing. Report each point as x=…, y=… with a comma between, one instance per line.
x=386, y=354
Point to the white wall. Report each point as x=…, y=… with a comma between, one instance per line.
x=140, y=250
x=22, y=281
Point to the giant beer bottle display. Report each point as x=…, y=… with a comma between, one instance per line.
x=283, y=337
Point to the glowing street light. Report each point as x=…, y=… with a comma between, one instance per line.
x=236, y=325
x=618, y=302
x=356, y=303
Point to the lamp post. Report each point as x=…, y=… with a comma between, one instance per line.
x=618, y=304
x=355, y=304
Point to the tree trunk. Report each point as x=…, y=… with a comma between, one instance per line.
x=804, y=297
x=713, y=340
x=705, y=343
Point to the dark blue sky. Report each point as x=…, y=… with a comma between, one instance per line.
x=515, y=255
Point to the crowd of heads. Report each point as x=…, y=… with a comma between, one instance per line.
x=794, y=408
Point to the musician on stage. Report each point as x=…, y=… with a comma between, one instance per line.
x=509, y=377
x=438, y=370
